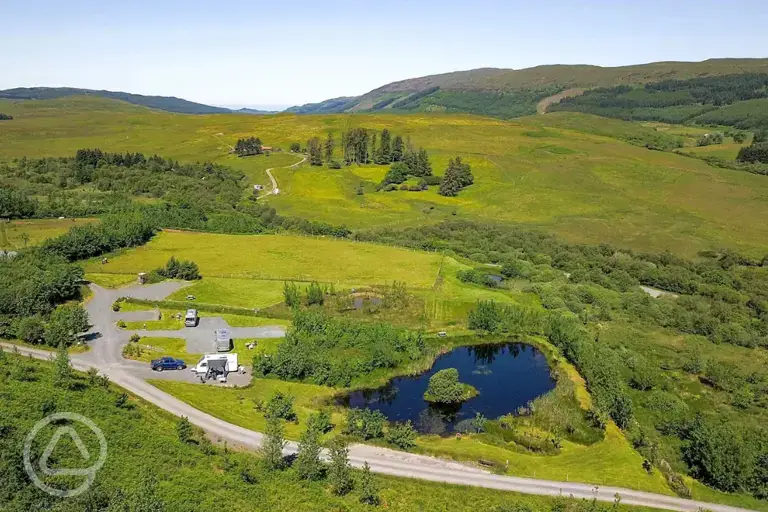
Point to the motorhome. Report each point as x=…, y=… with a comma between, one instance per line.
x=215, y=365
x=190, y=319
x=222, y=340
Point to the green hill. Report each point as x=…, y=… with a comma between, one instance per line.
x=167, y=103
x=564, y=172
x=508, y=93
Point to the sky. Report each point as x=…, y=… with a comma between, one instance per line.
x=275, y=54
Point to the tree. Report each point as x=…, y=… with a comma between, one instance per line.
x=31, y=329
x=315, y=294
x=444, y=388
x=402, y=435
x=457, y=176
x=485, y=317
x=184, y=429
x=384, y=154
x=397, y=149
x=398, y=172
x=328, y=148
x=273, y=444
x=315, y=151
x=369, y=491
x=248, y=146
x=308, y=464
x=63, y=375
x=291, y=294
x=423, y=167
x=339, y=473
x=718, y=454
x=295, y=147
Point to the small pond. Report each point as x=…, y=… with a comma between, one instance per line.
x=507, y=375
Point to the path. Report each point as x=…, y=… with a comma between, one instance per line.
x=105, y=355
x=275, y=190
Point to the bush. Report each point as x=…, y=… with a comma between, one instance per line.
x=315, y=294
x=321, y=421
x=180, y=269
x=31, y=329
x=365, y=423
x=433, y=180
x=402, y=435
x=280, y=406
x=444, y=388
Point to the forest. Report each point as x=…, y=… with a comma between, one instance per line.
x=699, y=100
x=93, y=174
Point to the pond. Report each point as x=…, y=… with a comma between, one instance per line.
x=507, y=375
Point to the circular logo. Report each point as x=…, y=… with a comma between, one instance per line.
x=89, y=473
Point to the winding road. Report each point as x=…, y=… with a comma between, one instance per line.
x=105, y=355
x=275, y=190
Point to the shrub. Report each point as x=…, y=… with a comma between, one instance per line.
x=365, y=423
x=444, y=387
x=180, y=269
x=184, y=429
x=402, y=435
x=291, y=294
x=485, y=317
x=315, y=294
x=339, y=472
x=321, y=421
x=30, y=329
x=280, y=406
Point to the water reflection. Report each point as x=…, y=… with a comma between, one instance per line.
x=507, y=375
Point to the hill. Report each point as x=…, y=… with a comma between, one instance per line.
x=167, y=103
x=563, y=172
x=331, y=106
x=507, y=93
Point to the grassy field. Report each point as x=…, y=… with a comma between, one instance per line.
x=572, y=178
x=12, y=233
x=279, y=257
x=575, y=462
x=182, y=469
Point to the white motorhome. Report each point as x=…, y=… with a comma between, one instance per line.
x=218, y=364
x=190, y=319
x=222, y=340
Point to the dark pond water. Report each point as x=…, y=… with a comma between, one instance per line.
x=507, y=376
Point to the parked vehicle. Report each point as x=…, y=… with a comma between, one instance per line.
x=215, y=366
x=167, y=363
x=223, y=340
x=190, y=319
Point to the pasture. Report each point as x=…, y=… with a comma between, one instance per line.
x=12, y=234
x=564, y=173
x=279, y=257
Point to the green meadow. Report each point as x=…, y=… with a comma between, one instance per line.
x=562, y=172
x=278, y=257
x=12, y=234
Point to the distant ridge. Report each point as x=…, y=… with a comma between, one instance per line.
x=167, y=103
x=508, y=93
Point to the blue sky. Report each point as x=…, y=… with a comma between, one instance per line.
x=283, y=53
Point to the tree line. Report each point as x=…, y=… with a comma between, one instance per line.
x=676, y=101
x=5, y=117
x=248, y=146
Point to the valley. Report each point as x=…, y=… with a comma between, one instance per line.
x=594, y=286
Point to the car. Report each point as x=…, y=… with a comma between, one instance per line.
x=167, y=363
